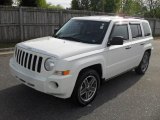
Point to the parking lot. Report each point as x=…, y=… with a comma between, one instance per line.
x=127, y=97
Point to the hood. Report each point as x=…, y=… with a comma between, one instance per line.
x=58, y=47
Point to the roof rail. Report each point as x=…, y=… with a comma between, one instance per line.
x=133, y=17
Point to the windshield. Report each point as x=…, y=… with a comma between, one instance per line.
x=85, y=31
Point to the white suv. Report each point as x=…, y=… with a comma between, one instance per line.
x=83, y=53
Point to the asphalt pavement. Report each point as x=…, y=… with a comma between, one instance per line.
x=127, y=97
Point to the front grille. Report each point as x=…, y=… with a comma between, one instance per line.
x=28, y=60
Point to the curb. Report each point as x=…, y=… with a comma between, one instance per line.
x=6, y=51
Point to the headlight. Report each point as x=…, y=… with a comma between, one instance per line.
x=49, y=64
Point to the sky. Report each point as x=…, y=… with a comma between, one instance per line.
x=64, y=3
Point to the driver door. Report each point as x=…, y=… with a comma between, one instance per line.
x=118, y=56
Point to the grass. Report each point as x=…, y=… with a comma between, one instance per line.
x=7, y=45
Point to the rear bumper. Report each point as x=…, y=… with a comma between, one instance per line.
x=59, y=86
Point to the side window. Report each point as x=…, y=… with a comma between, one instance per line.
x=147, y=31
x=120, y=30
x=136, y=30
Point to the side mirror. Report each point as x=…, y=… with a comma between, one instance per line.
x=118, y=40
x=56, y=30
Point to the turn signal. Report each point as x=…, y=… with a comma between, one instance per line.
x=67, y=72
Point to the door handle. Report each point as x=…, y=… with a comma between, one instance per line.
x=142, y=43
x=128, y=47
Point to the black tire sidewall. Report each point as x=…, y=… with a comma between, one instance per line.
x=81, y=77
x=146, y=53
x=139, y=68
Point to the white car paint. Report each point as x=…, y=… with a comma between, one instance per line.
x=58, y=47
x=75, y=56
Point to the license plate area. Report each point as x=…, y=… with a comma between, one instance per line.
x=23, y=81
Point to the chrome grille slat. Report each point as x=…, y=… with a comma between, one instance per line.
x=28, y=60
x=17, y=55
x=22, y=60
x=34, y=63
x=19, y=59
x=39, y=64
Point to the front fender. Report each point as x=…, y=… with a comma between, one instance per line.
x=82, y=63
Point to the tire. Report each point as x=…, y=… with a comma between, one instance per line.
x=143, y=66
x=86, y=87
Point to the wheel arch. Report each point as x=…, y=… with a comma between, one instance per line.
x=96, y=67
x=149, y=51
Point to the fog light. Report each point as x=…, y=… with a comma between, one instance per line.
x=53, y=84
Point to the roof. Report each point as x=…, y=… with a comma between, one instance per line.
x=109, y=18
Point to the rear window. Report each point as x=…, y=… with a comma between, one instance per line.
x=147, y=31
x=136, y=30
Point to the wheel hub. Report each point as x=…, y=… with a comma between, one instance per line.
x=88, y=88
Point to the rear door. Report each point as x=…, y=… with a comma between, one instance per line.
x=137, y=43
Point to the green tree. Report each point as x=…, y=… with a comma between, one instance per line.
x=154, y=13
x=158, y=12
x=111, y=6
x=41, y=3
x=6, y=2
x=75, y=5
x=33, y=3
x=131, y=7
x=150, y=8
x=81, y=4
x=57, y=7
x=97, y=5
x=137, y=9
x=85, y=4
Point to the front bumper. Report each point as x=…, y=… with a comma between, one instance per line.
x=59, y=86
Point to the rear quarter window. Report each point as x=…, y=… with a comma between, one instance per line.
x=146, y=28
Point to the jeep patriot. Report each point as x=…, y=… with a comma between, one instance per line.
x=81, y=54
